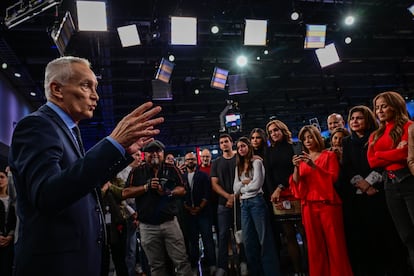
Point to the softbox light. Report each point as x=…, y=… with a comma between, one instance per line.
x=219, y=78
x=62, y=34
x=315, y=36
x=328, y=55
x=183, y=30
x=161, y=91
x=237, y=85
x=91, y=16
x=164, y=70
x=411, y=9
x=255, y=32
x=129, y=35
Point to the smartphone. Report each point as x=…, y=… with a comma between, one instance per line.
x=297, y=148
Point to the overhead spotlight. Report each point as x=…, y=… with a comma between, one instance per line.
x=294, y=16
x=215, y=29
x=4, y=66
x=17, y=75
x=33, y=94
x=86, y=22
x=196, y=91
x=129, y=35
x=328, y=55
x=241, y=61
x=255, y=32
x=183, y=30
x=348, y=40
x=411, y=9
x=266, y=52
x=155, y=35
x=258, y=58
x=171, y=58
x=349, y=20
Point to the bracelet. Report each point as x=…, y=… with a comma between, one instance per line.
x=146, y=187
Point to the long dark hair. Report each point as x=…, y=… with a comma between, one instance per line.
x=261, y=149
x=241, y=160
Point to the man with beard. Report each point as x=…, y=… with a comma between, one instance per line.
x=197, y=205
x=155, y=185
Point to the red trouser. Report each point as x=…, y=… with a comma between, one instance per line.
x=325, y=236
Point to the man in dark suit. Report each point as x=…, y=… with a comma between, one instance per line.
x=61, y=229
x=198, y=215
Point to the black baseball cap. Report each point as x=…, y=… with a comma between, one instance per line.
x=153, y=146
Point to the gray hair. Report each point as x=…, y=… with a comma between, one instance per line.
x=60, y=70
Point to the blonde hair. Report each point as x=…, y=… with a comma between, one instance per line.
x=397, y=103
x=287, y=135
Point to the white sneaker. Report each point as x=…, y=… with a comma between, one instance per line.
x=243, y=269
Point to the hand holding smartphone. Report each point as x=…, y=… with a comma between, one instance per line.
x=298, y=148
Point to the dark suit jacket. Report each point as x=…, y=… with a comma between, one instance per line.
x=60, y=229
x=201, y=190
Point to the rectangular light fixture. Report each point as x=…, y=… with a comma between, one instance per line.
x=91, y=16
x=129, y=35
x=61, y=35
x=219, y=78
x=183, y=30
x=315, y=36
x=328, y=55
x=237, y=85
x=164, y=71
x=411, y=9
x=255, y=32
x=161, y=91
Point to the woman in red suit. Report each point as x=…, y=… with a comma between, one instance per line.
x=388, y=149
x=315, y=172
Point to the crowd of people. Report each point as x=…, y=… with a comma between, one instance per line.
x=337, y=206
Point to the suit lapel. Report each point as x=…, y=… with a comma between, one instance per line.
x=59, y=122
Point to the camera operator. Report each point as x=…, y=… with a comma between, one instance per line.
x=155, y=186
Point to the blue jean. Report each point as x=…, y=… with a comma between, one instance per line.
x=201, y=225
x=131, y=247
x=400, y=201
x=258, y=241
x=225, y=222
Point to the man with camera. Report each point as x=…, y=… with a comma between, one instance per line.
x=155, y=185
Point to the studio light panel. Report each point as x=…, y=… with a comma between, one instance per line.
x=129, y=35
x=164, y=71
x=183, y=30
x=315, y=36
x=328, y=55
x=91, y=16
x=411, y=9
x=255, y=32
x=62, y=35
x=219, y=78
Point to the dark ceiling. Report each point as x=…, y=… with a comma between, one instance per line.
x=288, y=83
